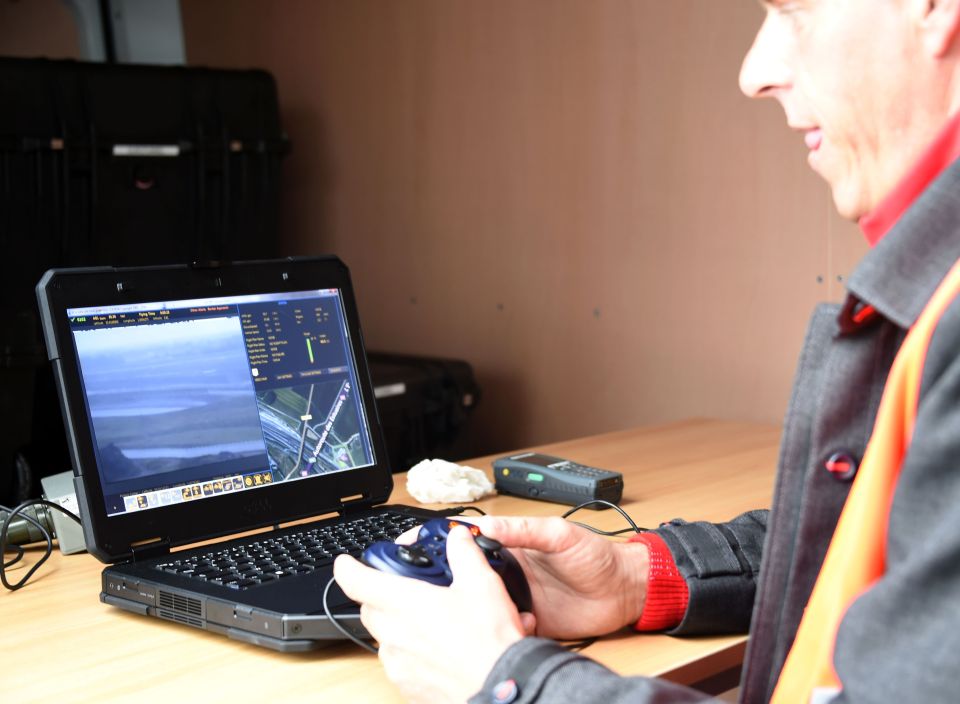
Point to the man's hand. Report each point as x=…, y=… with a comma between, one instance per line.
x=582, y=584
x=437, y=644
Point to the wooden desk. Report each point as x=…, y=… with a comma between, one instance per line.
x=58, y=643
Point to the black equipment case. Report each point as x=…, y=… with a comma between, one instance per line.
x=117, y=165
x=424, y=405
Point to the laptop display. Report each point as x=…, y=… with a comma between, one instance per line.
x=236, y=393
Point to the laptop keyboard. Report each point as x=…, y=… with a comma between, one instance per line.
x=266, y=559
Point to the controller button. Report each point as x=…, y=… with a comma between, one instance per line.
x=413, y=556
x=488, y=544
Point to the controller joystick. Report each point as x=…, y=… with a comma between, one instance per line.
x=415, y=556
x=426, y=559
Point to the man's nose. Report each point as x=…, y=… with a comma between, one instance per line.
x=766, y=68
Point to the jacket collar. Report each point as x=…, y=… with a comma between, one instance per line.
x=898, y=276
x=938, y=156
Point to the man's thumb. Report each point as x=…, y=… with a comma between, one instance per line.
x=464, y=556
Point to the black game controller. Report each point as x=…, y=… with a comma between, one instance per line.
x=426, y=559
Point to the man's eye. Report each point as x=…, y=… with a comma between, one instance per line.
x=794, y=13
x=785, y=7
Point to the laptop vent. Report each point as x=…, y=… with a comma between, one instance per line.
x=171, y=616
x=180, y=608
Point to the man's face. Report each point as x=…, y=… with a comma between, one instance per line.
x=842, y=69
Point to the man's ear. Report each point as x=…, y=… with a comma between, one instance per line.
x=940, y=26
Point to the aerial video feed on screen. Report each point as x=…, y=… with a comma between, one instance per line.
x=312, y=429
x=306, y=390
x=196, y=398
x=157, y=409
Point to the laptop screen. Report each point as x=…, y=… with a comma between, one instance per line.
x=191, y=399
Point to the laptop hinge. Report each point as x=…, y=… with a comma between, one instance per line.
x=352, y=504
x=149, y=549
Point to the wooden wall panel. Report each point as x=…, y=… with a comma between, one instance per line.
x=33, y=28
x=570, y=194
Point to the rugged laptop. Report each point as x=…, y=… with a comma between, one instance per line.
x=209, y=401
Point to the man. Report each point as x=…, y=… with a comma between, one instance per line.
x=874, y=87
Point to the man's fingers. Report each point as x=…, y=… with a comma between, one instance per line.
x=408, y=537
x=466, y=559
x=544, y=534
x=382, y=589
x=375, y=622
x=369, y=586
x=349, y=573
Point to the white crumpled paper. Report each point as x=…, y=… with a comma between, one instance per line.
x=439, y=481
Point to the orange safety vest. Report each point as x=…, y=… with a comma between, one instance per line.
x=856, y=557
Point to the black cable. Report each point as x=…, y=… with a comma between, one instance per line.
x=464, y=509
x=580, y=644
x=333, y=619
x=633, y=526
x=3, y=546
x=15, y=548
x=20, y=553
x=46, y=535
x=27, y=517
x=608, y=533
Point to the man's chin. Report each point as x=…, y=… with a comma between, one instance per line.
x=849, y=205
x=847, y=198
x=848, y=212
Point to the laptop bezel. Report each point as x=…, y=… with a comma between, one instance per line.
x=111, y=538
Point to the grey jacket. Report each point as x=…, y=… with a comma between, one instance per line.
x=900, y=641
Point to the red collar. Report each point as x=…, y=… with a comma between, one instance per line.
x=944, y=151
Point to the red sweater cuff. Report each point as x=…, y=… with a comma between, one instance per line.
x=667, y=593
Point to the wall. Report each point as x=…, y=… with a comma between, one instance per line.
x=30, y=28
x=570, y=194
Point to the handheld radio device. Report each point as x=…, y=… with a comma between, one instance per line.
x=536, y=476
